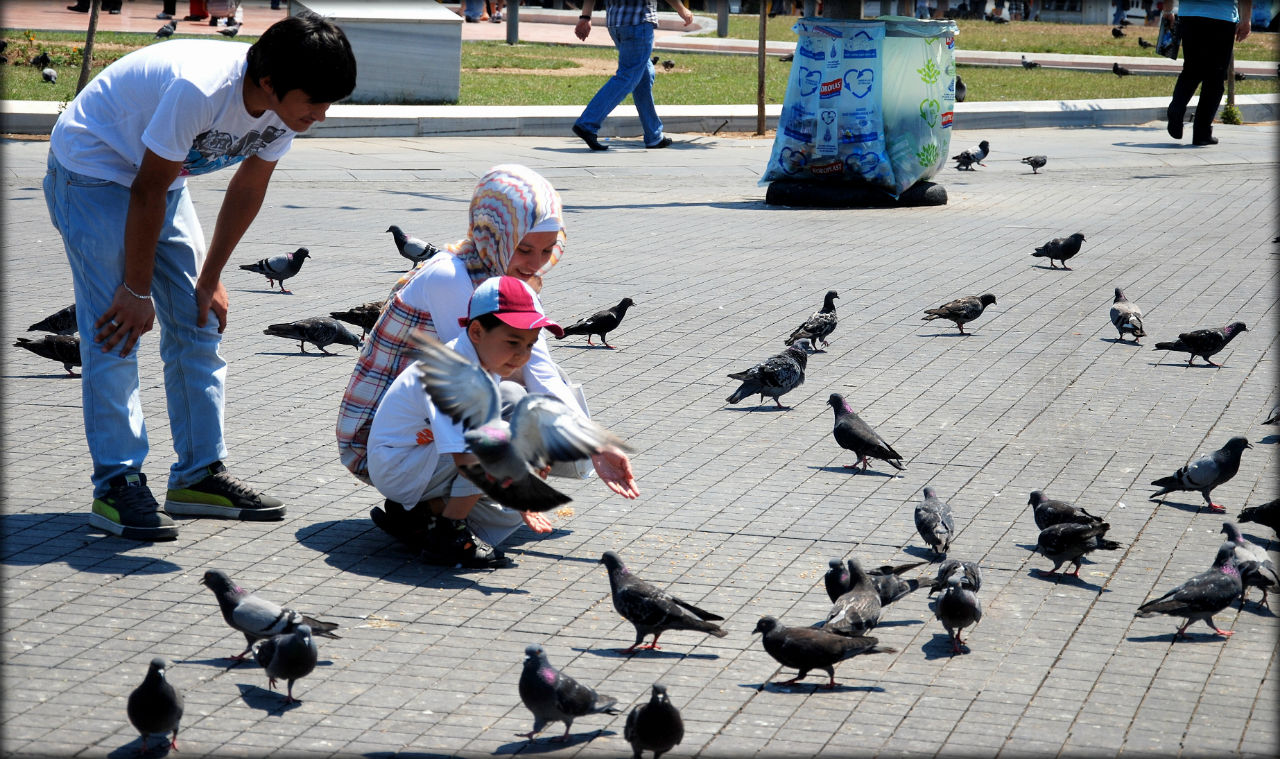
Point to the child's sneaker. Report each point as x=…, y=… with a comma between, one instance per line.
x=452, y=544
x=221, y=495
x=129, y=510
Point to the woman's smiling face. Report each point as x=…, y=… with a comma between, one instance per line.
x=533, y=253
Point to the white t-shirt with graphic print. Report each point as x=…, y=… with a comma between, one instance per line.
x=182, y=99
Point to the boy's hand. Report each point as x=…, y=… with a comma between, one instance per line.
x=536, y=522
x=614, y=469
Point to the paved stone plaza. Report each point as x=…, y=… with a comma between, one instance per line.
x=741, y=507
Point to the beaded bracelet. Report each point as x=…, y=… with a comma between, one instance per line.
x=131, y=292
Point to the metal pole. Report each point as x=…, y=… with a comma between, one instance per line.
x=513, y=21
x=760, y=60
x=722, y=18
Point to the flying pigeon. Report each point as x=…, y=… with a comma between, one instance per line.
x=650, y=610
x=230, y=30
x=62, y=322
x=167, y=30
x=1117, y=32
x=775, y=376
x=969, y=572
x=934, y=523
x=806, y=648
x=857, y=611
x=1119, y=70
x=542, y=430
x=1268, y=514
x=1060, y=249
x=668, y=64
x=42, y=60
x=1048, y=512
x=1070, y=541
x=1202, y=596
x=49, y=75
x=553, y=696
x=600, y=323
x=1205, y=473
x=256, y=617
x=64, y=348
x=961, y=311
x=961, y=90
x=317, y=330
x=290, y=656
x=412, y=248
x=655, y=726
x=1144, y=44
x=1035, y=162
x=1126, y=317
x=967, y=158
x=363, y=316
x=155, y=706
x=1256, y=568
x=819, y=325
x=887, y=579
x=1029, y=64
x=853, y=434
x=1204, y=342
x=957, y=608
x=279, y=268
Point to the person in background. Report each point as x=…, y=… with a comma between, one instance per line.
x=1209, y=30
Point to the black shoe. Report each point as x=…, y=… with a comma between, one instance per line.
x=194, y=18
x=412, y=527
x=1206, y=140
x=452, y=544
x=221, y=495
x=1175, y=124
x=129, y=510
x=665, y=142
x=78, y=8
x=589, y=138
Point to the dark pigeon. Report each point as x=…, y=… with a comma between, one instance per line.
x=961, y=91
x=668, y=64
x=230, y=30
x=1036, y=162
x=62, y=322
x=1060, y=249
x=41, y=60
x=63, y=348
x=290, y=657
x=279, y=268
x=887, y=579
x=1205, y=473
x=155, y=707
x=600, y=323
x=317, y=330
x=1268, y=514
x=934, y=523
x=655, y=726
x=820, y=324
x=167, y=30
x=553, y=696
x=1119, y=70
x=967, y=158
x=789, y=57
x=969, y=572
x=1027, y=63
x=363, y=316
x=653, y=611
x=853, y=434
x=806, y=648
x=961, y=311
x=1144, y=44
x=1048, y=512
x=256, y=617
x=1257, y=570
x=1204, y=342
x=412, y=248
x=1202, y=596
x=654, y=60
x=957, y=608
x=1070, y=542
x=775, y=376
x=1126, y=317
x=1117, y=32
x=857, y=611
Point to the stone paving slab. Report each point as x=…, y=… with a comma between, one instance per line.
x=741, y=506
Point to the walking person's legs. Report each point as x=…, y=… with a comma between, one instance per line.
x=616, y=89
x=634, y=54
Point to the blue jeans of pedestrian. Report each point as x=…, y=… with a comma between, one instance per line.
x=90, y=215
x=634, y=78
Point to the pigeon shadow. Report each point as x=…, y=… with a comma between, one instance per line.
x=265, y=700
x=1185, y=365
x=816, y=686
x=1256, y=608
x=648, y=653
x=247, y=290
x=946, y=334
x=298, y=353
x=225, y=662
x=940, y=647
x=1032, y=547
x=584, y=346
x=554, y=557
x=1269, y=439
x=1194, y=508
x=51, y=375
x=850, y=471
x=1048, y=268
x=408, y=755
x=538, y=745
x=899, y=623
x=1174, y=637
x=158, y=746
x=1065, y=579
x=62, y=539
x=924, y=553
x=753, y=409
x=1121, y=341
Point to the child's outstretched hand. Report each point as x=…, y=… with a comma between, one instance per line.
x=535, y=521
x=614, y=469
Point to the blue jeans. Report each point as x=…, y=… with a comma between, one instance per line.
x=634, y=78
x=90, y=215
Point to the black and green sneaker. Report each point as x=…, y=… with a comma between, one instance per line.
x=221, y=495
x=129, y=510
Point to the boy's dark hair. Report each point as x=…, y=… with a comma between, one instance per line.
x=308, y=53
x=488, y=321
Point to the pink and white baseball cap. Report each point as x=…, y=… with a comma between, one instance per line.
x=513, y=302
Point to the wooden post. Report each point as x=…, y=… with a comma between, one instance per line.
x=86, y=57
x=760, y=61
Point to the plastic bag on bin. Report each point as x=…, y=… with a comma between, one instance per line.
x=919, y=96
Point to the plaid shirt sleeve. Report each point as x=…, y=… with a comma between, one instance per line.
x=631, y=12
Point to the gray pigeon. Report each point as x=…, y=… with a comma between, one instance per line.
x=1036, y=162
x=49, y=75
x=1268, y=514
x=291, y=657
x=412, y=248
x=887, y=579
x=957, y=608
x=1204, y=342
x=167, y=30
x=650, y=610
x=853, y=434
x=363, y=316
x=969, y=572
x=856, y=612
x=961, y=90
x=961, y=311
x=155, y=706
x=1274, y=417
x=553, y=696
x=1256, y=568
x=600, y=323
x=1126, y=317
x=256, y=617
x=775, y=376
x=1060, y=249
x=934, y=523
x=279, y=268
x=655, y=726
x=967, y=158
x=1205, y=473
x=63, y=348
x=1070, y=541
x=1027, y=63
x=806, y=648
x=62, y=322
x=1048, y=511
x=230, y=30
x=542, y=430
x=819, y=325
x=317, y=330
x=1202, y=596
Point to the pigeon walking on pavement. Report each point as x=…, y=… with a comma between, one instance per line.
x=320, y=331
x=1257, y=570
x=820, y=324
x=1060, y=249
x=1205, y=473
x=155, y=707
x=256, y=617
x=653, y=611
x=857, y=611
x=969, y=572
x=1048, y=512
x=412, y=248
x=1201, y=597
x=1204, y=342
x=61, y=322
x=775, y=376
x=1268, y=515
x=655, y=726
x=363, y=316
x=934, y=522
x=553, y=696
x=965, y=159
x=806, y=648
x=961, y=311
x=289, y=656
x=62, y=348
x=887, y=578
x=957, y=608
x=1070, y=542
x=600, y=323
x=279, y=268
x=853, y=434
x=1126, y=317
x=1036, y=162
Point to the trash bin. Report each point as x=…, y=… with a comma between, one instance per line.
x=919, y=96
